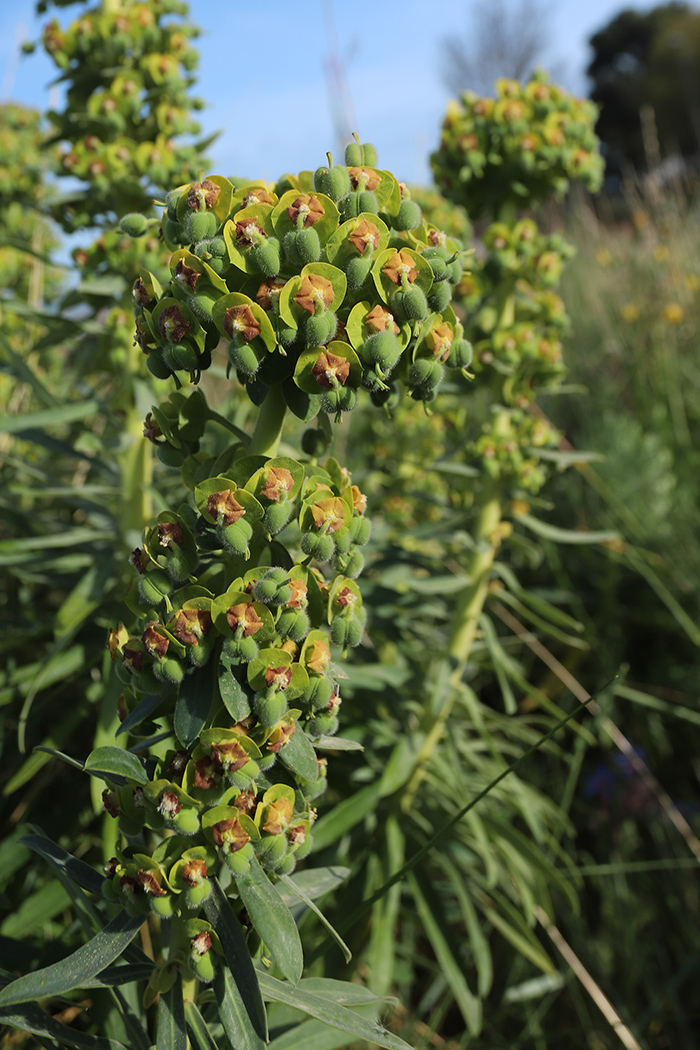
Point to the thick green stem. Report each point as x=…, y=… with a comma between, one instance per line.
x=268, y=427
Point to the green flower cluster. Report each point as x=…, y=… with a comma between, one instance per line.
x=512, y=452
x=131, y=107
x=233, y=655
x=518, y=148
x=518, y=337
x=325, y=283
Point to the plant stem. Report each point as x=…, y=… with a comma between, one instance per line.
x=268, y=427
x=465, y=620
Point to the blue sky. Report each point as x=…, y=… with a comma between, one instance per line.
x=264, y=74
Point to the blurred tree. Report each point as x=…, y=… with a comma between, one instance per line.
x=644, y=62
x=505, y=38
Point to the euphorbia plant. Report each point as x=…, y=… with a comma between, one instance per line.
x=244, y=595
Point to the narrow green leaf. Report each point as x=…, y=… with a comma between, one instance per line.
x=299, y=756
x=330, y=1012
x=468, y=1003
x=77, y=870
x=114, y=760
x=498, y=662
x=314, y=1035
x=233, y=1013
x=337, y=743
x=140, y=713
x=347, y=954
x=553, y=532
x=31, y=1018
x=481, y=952
x=232, y=693
x=687, y=714
x=344, y=816
x=273, y=920
x=171, y=1019
x=314, y=882
x=35, y=910
x=49, y=417
x=193, y=703
x=218, y=912
x=201, y=1037
x=82, y=965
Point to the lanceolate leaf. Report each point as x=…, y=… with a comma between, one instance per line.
x=171, y=1019
x=193, y=703
x=218, y=911
x=31, y=1018
x=82, y=965
x=77, y=870
x=233, y=1013
x=330, y=1012
x=113, y=760
x=317, y=911
x=273, y=920
x=468, y=1003
x=200, y=1035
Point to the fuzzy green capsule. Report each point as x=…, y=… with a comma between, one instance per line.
x=134, y=225
x=154, y=586
x=301, y=247
x=318, y=329
x=334, y=182
x=381, y=350
x=409, y=304
x=243, y=649
x=244, y=358
x=265, y=258
x=409, y=217
x=276, y=517
x=294, y=624
x=357, y=271
x=317, y=546
x=440, y=296
x=269, y=707
x=182, y=357
x=157, y=366
x=199, y=225
x=461, y=354
x=273, y=588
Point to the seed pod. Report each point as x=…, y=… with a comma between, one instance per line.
x=354, y=154
x=182, y=357
x=461, y=354
x=239, y=862
x=236, y=537
x=314, y=442
x=369, y=155
x=409, y=304
x=172, y=457
x=425, y=373
x=437, y=257
x=242, y=778
x=343, y=399
x=273, y=588
x=357, y=271
x=157, y=366
x=165, y=907
x=440, y=296
x=333, y=181
x=134, y=225
x=409, y=217
x=271, y=848
x=302, y=247
x=276, y=517
x=350, y=564
x=323, y=724
x=244, y=359
x=268, y=707
x=347, y=631
x=381, y=350
x=343, y=542
x=319, y=328
x=171, y=201
x=294, y=624
x=180, y=565
x=455, y=272
x=367, y=201
x=195, y=896
x=286, y=865
x=349, y=206
x=173, y=232
x=202, y=964
x=317, y=546
x=169, y=669
x=319, y=693
x=154, y=586
x=243, y=649
x=198, y=225
x=265, y=258
x=186, y=822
